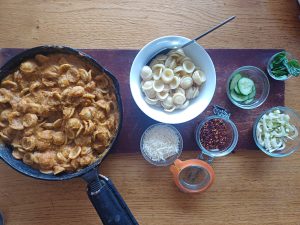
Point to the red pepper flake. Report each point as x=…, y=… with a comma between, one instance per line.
x=215, y=134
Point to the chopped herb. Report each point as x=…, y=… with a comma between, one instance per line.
x=293, y=67
x=281, y=66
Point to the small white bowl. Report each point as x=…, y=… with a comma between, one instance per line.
x=198, y=55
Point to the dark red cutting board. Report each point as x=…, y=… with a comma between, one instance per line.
x=225, y=61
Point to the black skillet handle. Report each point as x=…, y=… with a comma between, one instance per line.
x=108, y=203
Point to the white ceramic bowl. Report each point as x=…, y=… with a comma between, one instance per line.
x=198, y=55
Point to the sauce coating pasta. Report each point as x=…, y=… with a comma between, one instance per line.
x=58, y=113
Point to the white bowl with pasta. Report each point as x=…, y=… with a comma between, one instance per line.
x=200, y=59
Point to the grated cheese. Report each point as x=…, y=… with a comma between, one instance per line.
x=160, y=143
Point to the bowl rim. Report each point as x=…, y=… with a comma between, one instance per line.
x=272, y=154
x=222, y=153
x=169, y=38
x=164, y=162
x=254, y=105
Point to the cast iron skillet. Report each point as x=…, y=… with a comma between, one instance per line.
x=104, y=196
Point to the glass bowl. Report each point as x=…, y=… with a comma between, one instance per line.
x=169, y=160
x=261, y=82
x=282, y=78
x=291, y=145
x=232, y=131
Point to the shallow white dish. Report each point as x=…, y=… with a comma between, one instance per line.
x=198, y=55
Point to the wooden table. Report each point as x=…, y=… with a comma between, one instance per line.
x=250, y=188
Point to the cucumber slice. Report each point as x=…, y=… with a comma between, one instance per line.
x=253, y=93
x=234, y=81
x=245, y=85
x=238, y=98
x=249, y=101
x=237, y=90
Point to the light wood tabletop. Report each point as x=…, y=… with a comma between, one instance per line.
x=250, y=188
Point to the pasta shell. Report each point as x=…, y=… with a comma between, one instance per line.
x=9, y=84
x=178, y=69
x=68, y=112
x=167, y=75
x=170, y=109
x=41, y=59
x=168, y=103
x=178, y=98
x=46, y=171
x=162, y=95
x=5, y=95
x=186, y=82
x=161, y=57
x=27, y=159
x=28, y=143
x=51, y=72
x=16, y=123
x=189, y=93
x=74, y=153
x=173, y=64
x=167, y=88
x=185, y=58
x=199, y=77
x=174, y=54
x=85, y=150
x=86, y=76
x=24, y=92
x=170, y=62
x=64, y=68
x=146, y=73
x=150, y=93
x=83, y=140
x=48, y=83
x=73, y=75
x=61, y=157
x=154, y=62
x=175, y=82
x=196, y=92
x=86, y=113
x=192, y=92
x=17, y=155
x=151, y=101
x=58, y=169
x=185, y=105
x=58, y=138
x=158, y=85
x=180, y=90
x=45, y=134
x=3, y=125
x=63, y=81
x=21, y=150
x=188, y=66
x=29, y=120
x=157, y=71
x=28, y=67
x=148, y=85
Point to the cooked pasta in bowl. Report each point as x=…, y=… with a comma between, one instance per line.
x=174, y=87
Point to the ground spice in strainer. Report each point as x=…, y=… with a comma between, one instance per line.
x=215, y=134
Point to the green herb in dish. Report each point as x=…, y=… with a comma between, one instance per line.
x=281, y=66
x=242, y=89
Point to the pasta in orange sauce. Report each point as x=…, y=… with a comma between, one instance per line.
x=58, y=113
